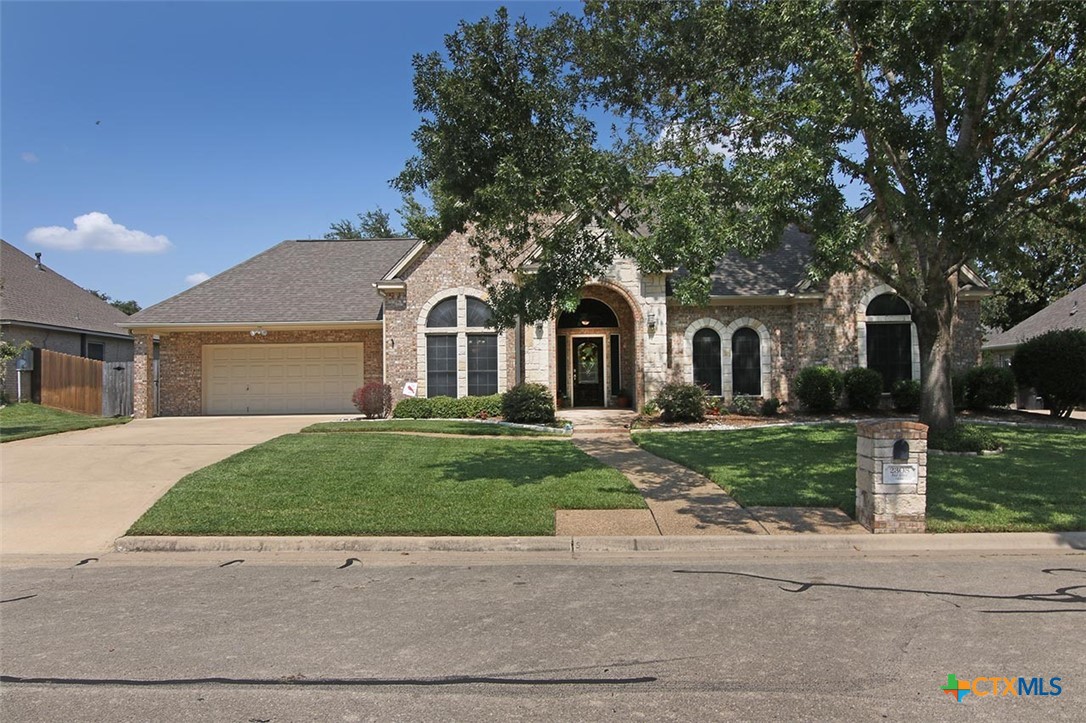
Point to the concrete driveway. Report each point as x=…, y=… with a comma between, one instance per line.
x=77, y=492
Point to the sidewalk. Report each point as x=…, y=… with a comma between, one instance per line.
x=680, y=501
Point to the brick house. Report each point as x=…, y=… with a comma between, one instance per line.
x=40, y=306
x=299, y=327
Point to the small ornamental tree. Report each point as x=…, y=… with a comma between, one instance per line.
x=374, y=400
x=1054, y=364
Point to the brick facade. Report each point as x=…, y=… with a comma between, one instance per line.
x=181, y=360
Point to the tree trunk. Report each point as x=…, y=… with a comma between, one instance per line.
x=935, y=331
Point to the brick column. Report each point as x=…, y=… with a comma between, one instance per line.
x=143, y=392
x=891, y=476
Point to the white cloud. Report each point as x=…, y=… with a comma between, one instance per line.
x=29, y=157
x=198, y=278
x=96, y=231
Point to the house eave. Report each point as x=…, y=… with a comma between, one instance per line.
x=170, y=327
x=69, y=329
x=403, y=263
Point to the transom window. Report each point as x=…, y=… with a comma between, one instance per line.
x=443, y=315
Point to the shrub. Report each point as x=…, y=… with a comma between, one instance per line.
x=413, y=408
x=650, y=408
x=963, y=438
x=681, y=403
x=770, y=407
x=818, y=388
x=482, y=407
x=906, y=395
x=987, y=387
x=715, y=405
x=863, y=387
x=1054, y=364
x=374, y=399
x=958, y=381
x=528, y=404
x=745, y=406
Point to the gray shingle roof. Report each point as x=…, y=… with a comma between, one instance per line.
x=784, y=267
x=294, y=281
x=34, y=296
x=1066, y=313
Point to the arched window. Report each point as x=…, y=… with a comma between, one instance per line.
x=707, y=366
x=443, y=315
x=452, y=341
x=746, y=362
x=889, y=339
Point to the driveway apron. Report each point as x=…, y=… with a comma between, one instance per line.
x=77, y=492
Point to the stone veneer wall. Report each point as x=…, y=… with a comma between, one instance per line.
x=180, y=370
x=449, y=266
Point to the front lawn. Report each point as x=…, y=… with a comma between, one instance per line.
x=388, y=484
x=430, y=426
x=1036, y=484
x=22, y=421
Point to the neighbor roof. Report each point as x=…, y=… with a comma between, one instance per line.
x=42, y=297
x=293, y=282
x=1066, y=313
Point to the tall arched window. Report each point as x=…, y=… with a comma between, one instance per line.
x=448, y=339
x=707, y=361
x=746, y=362
x=889, y=339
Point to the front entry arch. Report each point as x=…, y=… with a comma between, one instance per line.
x=593, y=354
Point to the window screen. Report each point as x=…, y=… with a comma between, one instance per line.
x=707, y=361
x=482, y=364
x=441, y=365
x=746, y=362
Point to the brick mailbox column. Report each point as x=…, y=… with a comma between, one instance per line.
x=891, y=476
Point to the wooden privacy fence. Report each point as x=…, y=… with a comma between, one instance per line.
x=78, y=384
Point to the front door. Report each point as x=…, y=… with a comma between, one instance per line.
x=587, y=371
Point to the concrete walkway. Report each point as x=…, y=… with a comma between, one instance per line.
x=77, y=492
x=680, y=501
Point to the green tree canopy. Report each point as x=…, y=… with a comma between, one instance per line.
x=371, y=224
x=957, y=121
x=129, y=307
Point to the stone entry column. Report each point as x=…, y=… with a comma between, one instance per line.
x=143, y=392
x=891, y=476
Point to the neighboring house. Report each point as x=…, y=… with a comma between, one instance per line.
x=1068, y=312
x=40, y=306
x=300, y=326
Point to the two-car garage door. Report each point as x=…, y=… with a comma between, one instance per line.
x=280, y=378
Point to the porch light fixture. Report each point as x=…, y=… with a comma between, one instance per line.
x=539, y=330
x=259, y=331
x=585, y=321
x=650, y=322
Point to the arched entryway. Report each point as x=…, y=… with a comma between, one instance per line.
x=595, y=351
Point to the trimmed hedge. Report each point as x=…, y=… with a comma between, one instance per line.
x=1054, y=364
x=906, y=395
x=528, y=404
x=449, y=408
x=963, y=438
x=818, y=388
x=681, y=403
x=863, y=388
x=987, y=387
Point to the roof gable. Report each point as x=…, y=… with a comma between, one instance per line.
x=41, y=296
x=305, y=281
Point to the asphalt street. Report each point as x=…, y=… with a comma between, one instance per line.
x=433, y=636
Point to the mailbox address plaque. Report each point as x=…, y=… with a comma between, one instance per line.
x=900, y=474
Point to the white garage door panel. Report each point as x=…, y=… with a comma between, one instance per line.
x=281, y=378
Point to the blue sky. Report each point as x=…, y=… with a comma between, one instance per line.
x=222, y=127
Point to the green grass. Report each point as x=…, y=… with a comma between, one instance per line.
x=429, y=426
x=22, y=421
x=1036, y=484
x=387, y=484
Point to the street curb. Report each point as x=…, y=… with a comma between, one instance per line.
x=953, y=542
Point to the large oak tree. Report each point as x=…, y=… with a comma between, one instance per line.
x=956, y=121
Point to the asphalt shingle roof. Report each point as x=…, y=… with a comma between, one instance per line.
x=294, y=281
x=34, y=296
x=1066, y=313
x=783, y=267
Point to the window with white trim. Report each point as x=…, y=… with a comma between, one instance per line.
x=456, y=328
x=707, y=366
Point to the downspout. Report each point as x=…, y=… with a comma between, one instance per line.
x=518, y=351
